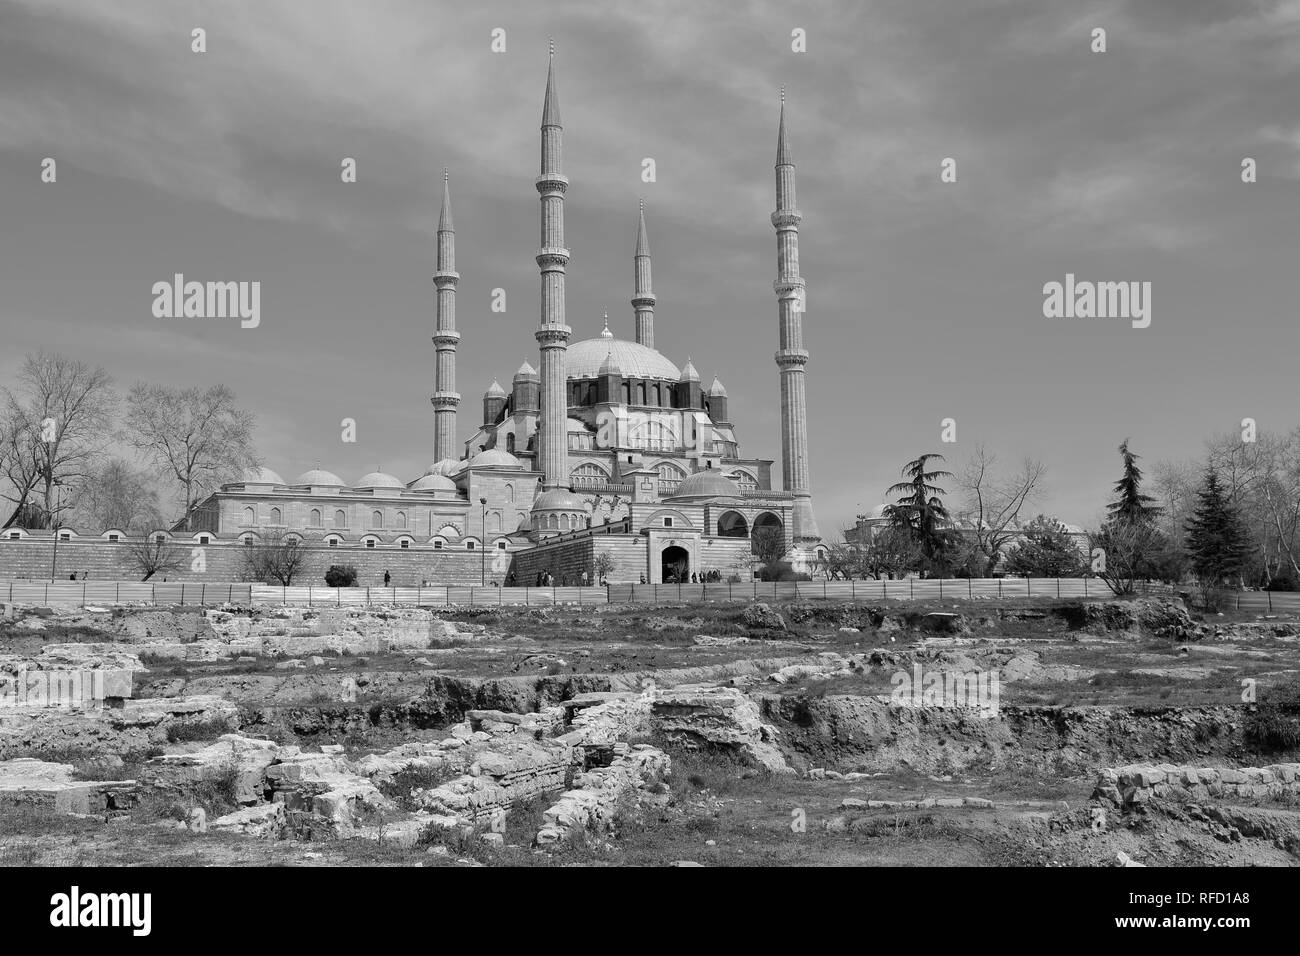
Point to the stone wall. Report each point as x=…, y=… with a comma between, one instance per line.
x=31, y=558
x=1140, y=783
x=572, y=556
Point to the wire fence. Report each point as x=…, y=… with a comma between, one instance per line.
x=87, y=593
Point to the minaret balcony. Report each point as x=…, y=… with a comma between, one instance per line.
x=553, y=335
x=551, y=183
x=784, y=218
x=792, y=358
x=443, y=277
x=445, y=400
x=553, y=258
x=446, y=337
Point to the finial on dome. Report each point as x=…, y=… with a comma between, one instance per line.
x=445, y=174
x=782, y=94
x=550, y=41
x=605, y=332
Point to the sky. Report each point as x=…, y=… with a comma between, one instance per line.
x=924, y=297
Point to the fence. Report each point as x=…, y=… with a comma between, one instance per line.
x=113, y=592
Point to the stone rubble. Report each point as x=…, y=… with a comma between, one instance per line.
x=1137, y=784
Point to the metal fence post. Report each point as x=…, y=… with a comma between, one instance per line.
x=911, y=587
x=1058, y=587
x=182, y=593
x=940, y=588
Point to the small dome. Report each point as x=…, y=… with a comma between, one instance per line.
x=433, y=483
x=261, y=476
x=495, y=390
x=525, y=524
x=716, y=390
x=446, y=467
x=494, y=457
x=378, y=479
x=525, y=371
x=557, y=499
x=876, y=513
x=577, y=425
x=318, y=477
x=706, y=484
x=688, y=373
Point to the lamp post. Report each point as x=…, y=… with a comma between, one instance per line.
x=482, y=547
x=54, y=520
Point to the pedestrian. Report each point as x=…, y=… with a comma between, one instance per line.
x=386, y=578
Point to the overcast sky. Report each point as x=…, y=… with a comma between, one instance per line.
x=925, y=299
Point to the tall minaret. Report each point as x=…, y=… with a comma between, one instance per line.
x=553, y=335
x=445, y=397
x=643, y=300
x=792, y=356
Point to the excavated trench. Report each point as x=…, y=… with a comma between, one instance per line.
x=866, y=734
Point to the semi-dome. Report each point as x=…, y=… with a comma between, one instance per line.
x=494, y=457
x=433, y=483
x=319, y=477
x=261, y=476
x=378, y=479
x=706, y=484
x=446, y=467
x=557, y=499
x=585, y=358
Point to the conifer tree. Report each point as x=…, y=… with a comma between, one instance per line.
x=1216, y=541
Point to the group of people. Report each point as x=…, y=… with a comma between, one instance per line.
x=673, y=576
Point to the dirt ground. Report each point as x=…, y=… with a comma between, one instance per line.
x=1014, y=789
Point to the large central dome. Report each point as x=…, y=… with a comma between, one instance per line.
x=634, y=361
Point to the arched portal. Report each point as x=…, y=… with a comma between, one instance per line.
x=676, y=565
x=732, y=524
x=767, y=526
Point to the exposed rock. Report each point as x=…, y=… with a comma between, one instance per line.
x=762, y=617
x=51, y=785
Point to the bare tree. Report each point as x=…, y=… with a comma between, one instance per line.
x=60, y=419
x=769, y=548
x=892, y=553
x=199, y=437
x=994, y=501
x=152, y=554
x=274, y=562
x=843, y=562
x=118, y=496
x=19, y=466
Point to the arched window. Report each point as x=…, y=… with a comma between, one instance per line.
x=340, y=519
x=640, y=393
x=250, y=516
x=732, y=524
x=510, y=443
x=276, y=516
x=564, y=522
x=401, y=519
x=654, y=394
x=588, y=474
x=376, y=519
x=670, y=476
x=627, y=393
x=313, y=520
x=744, y=480
x=510, y=491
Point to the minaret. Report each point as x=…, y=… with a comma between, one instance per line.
x=792, y=356
x=553, y=335
x=445, y=397
x=643, y=300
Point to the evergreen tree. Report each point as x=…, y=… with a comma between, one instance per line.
x=1130, y=503
x=1216, y=541
x=1046, y=550
x=921, y=512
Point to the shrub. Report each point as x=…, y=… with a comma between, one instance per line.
x=341, y=576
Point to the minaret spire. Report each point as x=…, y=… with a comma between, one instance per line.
x=552, y=259
x=445, y=398
x=791, y=357
x=643, y=299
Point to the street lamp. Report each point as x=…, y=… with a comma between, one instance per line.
x=58, y=506
x=482, y=544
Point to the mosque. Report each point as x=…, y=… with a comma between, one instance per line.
x=606, y=447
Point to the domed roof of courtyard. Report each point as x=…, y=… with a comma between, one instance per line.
x=706, y=484
x=379, y=479
x=261, y=476
x=446, y=467
x=585, y=358
x=433, y=483
x=320, y=477
x=557, y=499
x=494, y=457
